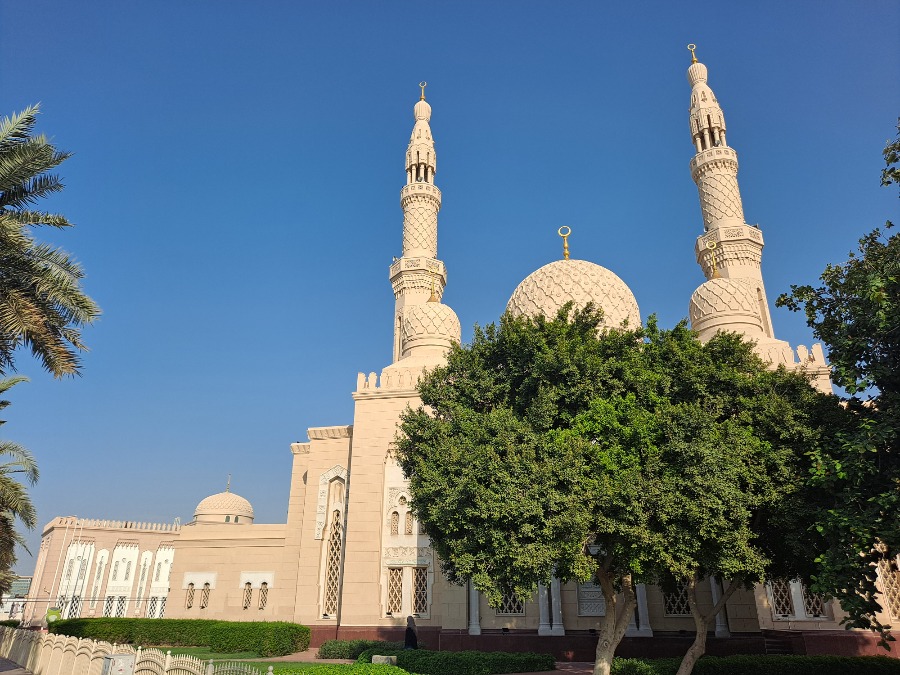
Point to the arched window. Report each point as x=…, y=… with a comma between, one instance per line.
x=115, y=575
x=248, y=595
x=189, y=597
x=158, y=570
x=333, y=566
x=395, y=522
x=227, y=519
x=69, y=568
x=236, y=518
x=128, y=570
x=408, y=528
x=263, y=595
x=204, y=596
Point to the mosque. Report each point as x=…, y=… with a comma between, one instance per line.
x=351, y=560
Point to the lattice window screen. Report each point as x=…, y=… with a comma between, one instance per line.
x=420, y=590
x=263, y=595
x=676, y=602
x=333, y=566
x=158, y=570
x=248, y=595
x=590, y=600
x=890, y=580
x=204, y=596
x=75, y=607
x=151, y=607
x=120, y=607
x=395, y=522
x=189, y=597
x=782, y=601
x=408, y=529
x=814, y=604
x=108, y=607
x=162, y=608
x=395, y=590
x=511, y=605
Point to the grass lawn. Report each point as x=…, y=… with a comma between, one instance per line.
x=205, y=653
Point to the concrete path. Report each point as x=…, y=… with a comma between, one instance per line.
x=7, y=667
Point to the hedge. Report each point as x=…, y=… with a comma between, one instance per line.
x=329, y=669
x=427, y=662
x=351, y=649
x=764, y=665
x=267, y=638
x=13, y=623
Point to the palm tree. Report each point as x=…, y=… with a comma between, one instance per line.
x=42, y=305
x=15, y=504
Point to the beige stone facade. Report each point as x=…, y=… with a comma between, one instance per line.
x=351, y=559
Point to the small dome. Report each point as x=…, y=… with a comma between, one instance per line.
x=422, y=110
x=550, y=287
x=429, y=328
x=725, y=304
x=224, y=505
x=696, y=73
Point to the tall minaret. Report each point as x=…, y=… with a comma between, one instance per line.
x=418, y=276
x=728, y=248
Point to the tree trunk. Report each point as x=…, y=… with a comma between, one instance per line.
x=701, y=624
x=613, y=625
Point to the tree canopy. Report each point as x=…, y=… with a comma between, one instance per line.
x=548, y=448
x=42, y=305
x=856, y=313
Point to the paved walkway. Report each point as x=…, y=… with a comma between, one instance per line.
x=7, y=667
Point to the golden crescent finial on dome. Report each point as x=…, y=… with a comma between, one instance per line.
x=423, y=84
x=692, y=47
x=565, y=238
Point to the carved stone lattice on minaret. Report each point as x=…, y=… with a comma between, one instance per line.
x=418, y=276
x=729, y=247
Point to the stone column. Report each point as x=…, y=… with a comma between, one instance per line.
x=643, y=629
x=556, y=601
x=474, y=614
x=543, y=610
x=721, y=617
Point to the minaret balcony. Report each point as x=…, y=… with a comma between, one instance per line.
x=420, y=187
x=722, y=153
x=419, y=264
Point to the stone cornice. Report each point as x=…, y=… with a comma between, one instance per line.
x=329, y=433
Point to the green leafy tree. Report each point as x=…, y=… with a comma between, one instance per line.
x=545, y=448
x=42, y=305
x=856, y=313
x=15, y=504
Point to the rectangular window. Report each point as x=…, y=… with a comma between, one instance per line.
x=248, y=595
x=75, y=607
x=189, y=597
x=263, y=595
x=792, y=601
x=204, y=597
x=420, y=590
x=590, y=600
x=120, y=607
x=108, y=606
x=162, y=607
x=676, y=601
x=151, y=607
x=395, y=590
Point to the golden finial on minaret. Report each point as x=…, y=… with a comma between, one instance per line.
x=423, y=84
x=711, y=247
x=693, y=47
x=433, y=297
x=565, y=238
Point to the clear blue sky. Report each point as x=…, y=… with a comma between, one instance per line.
x=236, y=182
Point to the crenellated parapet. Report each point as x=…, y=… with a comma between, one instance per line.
x=79, y=523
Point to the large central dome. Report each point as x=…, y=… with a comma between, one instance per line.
x=547, y=289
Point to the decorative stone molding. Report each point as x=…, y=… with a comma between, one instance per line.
x=550, y=287
x=198, y=579
x=336, y=471
x=400, y=556
x=329, y=433
x=300, y=448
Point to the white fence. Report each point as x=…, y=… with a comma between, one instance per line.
x=49, y=654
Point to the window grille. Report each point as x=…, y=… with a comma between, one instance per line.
x=782, y=599
x=69, y=568
x=128, y=571
x=204, y=596
x=511, y=605
x=263, y=595
x=115, y=574
x=75, y=607
x=676, y=601
x=590, y=600
x=82, y=569
x=189, y=597
x=333, y=566
x=158, y=570
x=248, y=595
x=62, y=603
x=162, y=607
x=408, y=529
x=151, y=607
x=120, y=607
x=108, y=607
x=814, y=604
x=890, y=581
x=395, y=523
x=143, y=572
x=395, y=590
x=94, y=594
x=420, y=590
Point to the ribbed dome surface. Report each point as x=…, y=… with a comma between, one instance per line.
x=422, y=111
x=433, y=320
x=725, y=304
x=550, y=287
x=696, y=73
x=224, y=503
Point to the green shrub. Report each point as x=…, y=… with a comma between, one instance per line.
x=267, y=638
x=764, y=665
x=330, y=669
x=12, y=623
x=351, y=649
x=463, y=663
